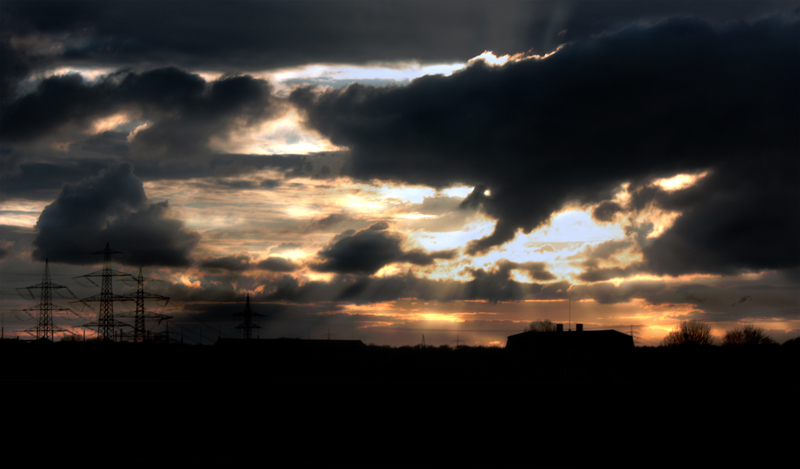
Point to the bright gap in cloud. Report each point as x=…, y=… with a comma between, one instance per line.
x=457, y=191
x=571, y=230
x=491, y=59
x=108, y=123
x=398, y=193
x=90, y=74
x=339, y=75
x=21, y=212
x=285, y=135
x=679, y=181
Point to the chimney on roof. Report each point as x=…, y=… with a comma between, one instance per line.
x=579, y=327
x=559, y=328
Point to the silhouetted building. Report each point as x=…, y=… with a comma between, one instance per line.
x=571, y=344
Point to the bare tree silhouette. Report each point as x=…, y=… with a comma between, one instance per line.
x=541, y=326
x=747, y=335
x=690, y=332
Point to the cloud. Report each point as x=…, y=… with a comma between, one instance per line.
x=368, y=250
x=436, y=205
x=605, y=211
x=326, y=222
x=602, y=111
x=236, y=184
x=43, y=181
x=536, y=270
x=270, y=183
x=184, y=113
x=771, y=298
x=607, y=293
x=492, y=286
x=496, y=285
x=111, y=208
x=243, y=262
x=228, y=263
x=285, y=247
x=741, y=218
x=592, y=257
x=277, y=264
x=267, y=35
x=33, y=172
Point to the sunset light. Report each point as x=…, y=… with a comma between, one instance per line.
x=382, y=233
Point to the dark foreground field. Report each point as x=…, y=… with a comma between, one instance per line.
x=135, y=405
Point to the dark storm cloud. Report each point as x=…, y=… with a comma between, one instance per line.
x=536, y=270
x=551, y=291
x=42, y=180
x=770, y=297
x=39, y=174
x=219, y=165
x=277, y=264
x=680, y=96
x=493, y=286
x=184, y=111
x=497, y=285
x=741, y=217
x=247, y=35
x=228, y=263
x=111, y=208
x=243, y=262
x=368, y=250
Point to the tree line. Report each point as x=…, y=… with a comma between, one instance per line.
x=699, y=333
x=691, y=332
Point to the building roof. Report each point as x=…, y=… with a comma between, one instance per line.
x=570, y=342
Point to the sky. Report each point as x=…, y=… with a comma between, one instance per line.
x=388, y=170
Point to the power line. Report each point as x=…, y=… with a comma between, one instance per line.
x=247, y=324
x=106, y=324
x=45, y=328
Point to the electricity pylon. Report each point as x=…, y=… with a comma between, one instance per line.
x=139, y=331
x=106, y=323
x=45, y=328
x=247, y=324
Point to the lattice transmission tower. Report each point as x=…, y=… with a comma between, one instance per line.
x=45, y=328
x=247, y=324
x=106, y=324
x=139, y=331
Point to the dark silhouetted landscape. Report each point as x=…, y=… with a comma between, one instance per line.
x=296, y=403
x=399, y=234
